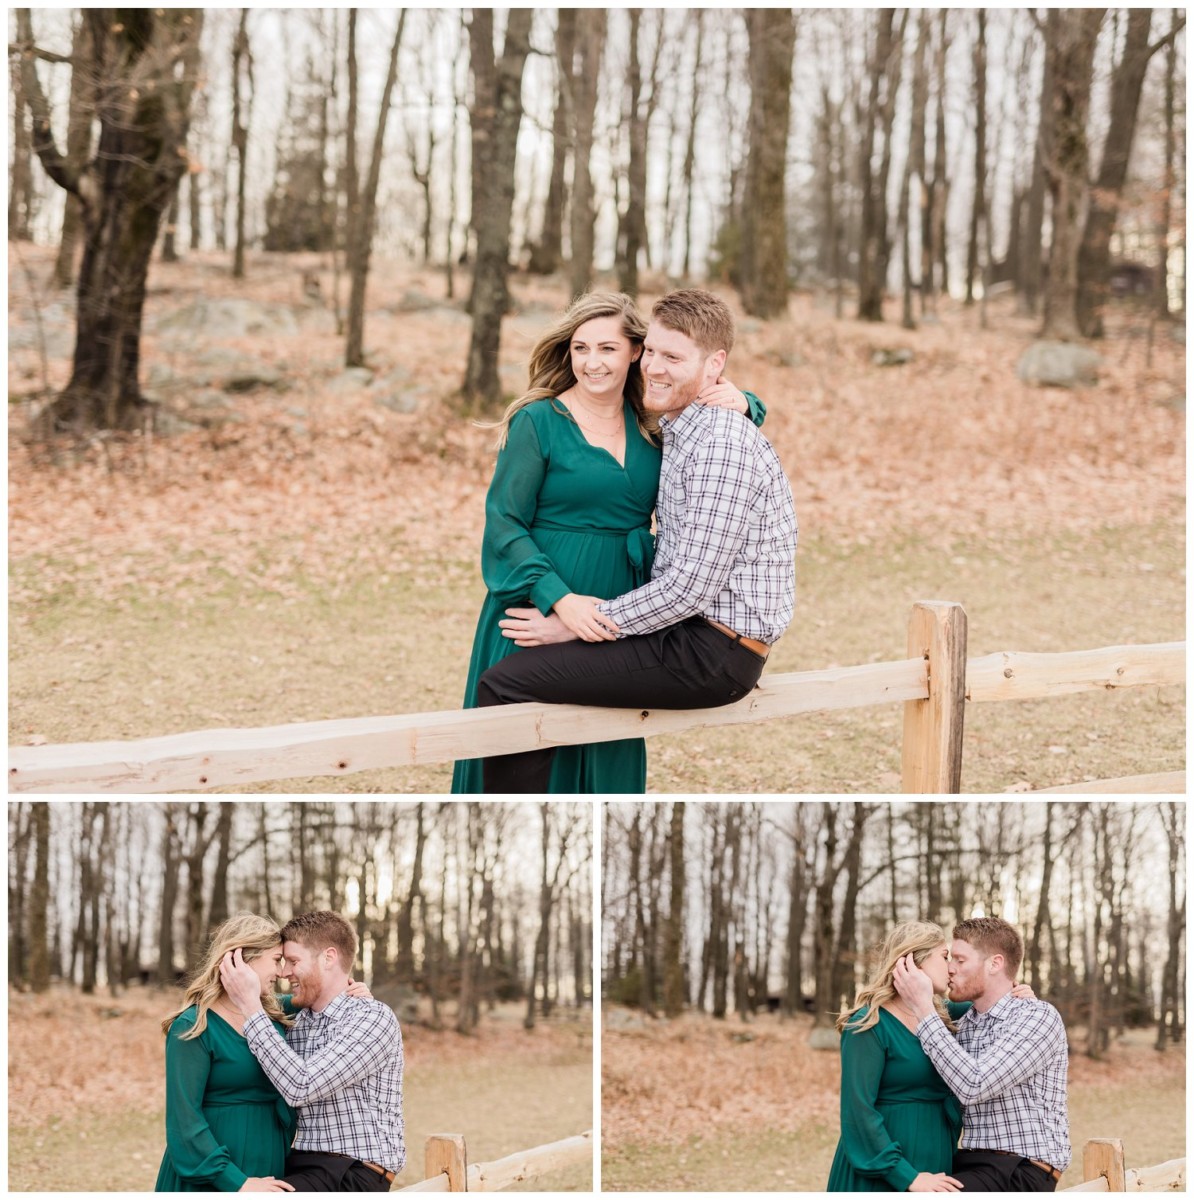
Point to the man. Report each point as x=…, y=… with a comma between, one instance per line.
x=1007, y=1064
x=722, y=585
x=340, y=1065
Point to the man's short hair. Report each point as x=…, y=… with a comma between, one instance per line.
x=697, y=314
x=993, y=935
x=318, y=930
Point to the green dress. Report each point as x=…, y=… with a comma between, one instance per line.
x=224, y=1119
x=898, y=1117
x=564, y=516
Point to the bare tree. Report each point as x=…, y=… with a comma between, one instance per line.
x=877, y=123
x=78, y=149
x=242, y=68
x=1071, y=36
x=547, y=252
x=772, y=33
x=145, y=64
x=590, y=37
x=362, y=240
x=1094, y=252
x=496, y=115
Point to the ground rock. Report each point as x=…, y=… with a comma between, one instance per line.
x=824, y=1037
x=896, y=357
x=350, y=380
x=1058, y=364
x=396, y=392
x=623, y=1019
x=229, y=317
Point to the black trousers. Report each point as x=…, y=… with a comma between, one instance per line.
x=309, y=1171
x=689, y=665
x=982, y=1171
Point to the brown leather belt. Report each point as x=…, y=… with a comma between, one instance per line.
x=1053, y=1172
x=387, y=1175
x=753, y=645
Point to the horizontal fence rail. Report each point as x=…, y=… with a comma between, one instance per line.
x=447, y=1168
x=227, y=757
x=1103, y=1170
x=933, y=683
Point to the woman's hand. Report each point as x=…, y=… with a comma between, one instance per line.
x=937, y=1181
x=582, y=618
x=359, y=991
x=266, y=1183
x=723, y=394
x=1022, y=991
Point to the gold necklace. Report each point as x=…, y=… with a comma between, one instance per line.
x=620, y=417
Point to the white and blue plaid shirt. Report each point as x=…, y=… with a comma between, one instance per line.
x=342, y=1069
x=726, y=525
x=1008, y=1066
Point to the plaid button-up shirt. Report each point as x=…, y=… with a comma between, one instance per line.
x=342, y=1069
x=1008, y=1067
x=726, y=529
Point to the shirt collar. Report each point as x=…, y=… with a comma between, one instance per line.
x=998, y=1011
x=685, y=419
x=331, y=1010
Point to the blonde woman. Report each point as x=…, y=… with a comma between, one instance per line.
x=227, y=1129
x=900, y=1123
x=568, y=513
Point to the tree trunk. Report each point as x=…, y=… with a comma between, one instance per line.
x=673, y=946
x=1165, y=215
x=690, y=142
x=772, y=34
x=218, y=911
x=20, y=186
x=797, y=917
x=78, y=150
x=591, y=41
x=242, y=57
x=914, y=163
x=979, y=206
x=1094, y=252
x=632, y=225
x=146, y=67
x=547, y=252
x=362, y=242
x=937, y=242
x=875, y=248
x=404, y=967
x=1073, y=35
x=39, y=900
x=169, y=234
x=496, y=115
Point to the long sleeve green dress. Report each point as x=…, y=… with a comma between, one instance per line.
x=224, y=1119
x=565, y=516
x=898, y=1117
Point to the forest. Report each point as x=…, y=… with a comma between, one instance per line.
x=743, y=908
x=457, y=907
x=872, y=154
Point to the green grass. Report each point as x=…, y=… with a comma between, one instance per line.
x=270, y=645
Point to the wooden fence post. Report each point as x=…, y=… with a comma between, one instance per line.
x=1103, y=1158
x=445, y=1154
x=932, y=751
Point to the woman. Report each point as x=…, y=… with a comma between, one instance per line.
x=568, y=513
x=227, y=1129
x=900, y=1123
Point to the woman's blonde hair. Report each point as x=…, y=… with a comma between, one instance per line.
x=550, y=366
x=255, y=936
x=918, y=938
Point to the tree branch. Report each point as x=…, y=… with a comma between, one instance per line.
x=49, y=56
x=57, y=167
x=1169, y=37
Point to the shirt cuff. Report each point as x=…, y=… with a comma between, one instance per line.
x=230, y=1179
x=547, y=591
x=902, y=1175
x=256, y=1027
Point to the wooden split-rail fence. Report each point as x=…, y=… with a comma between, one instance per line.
x=934, y=682
x=1103, y=1170
x=447, y=1169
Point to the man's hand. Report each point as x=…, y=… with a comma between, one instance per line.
x=723, y=394
x=914, y=986
x=529, y=627
x=935, y=1181
x=265, y=1183
x=242, y=984
x=582, y=618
